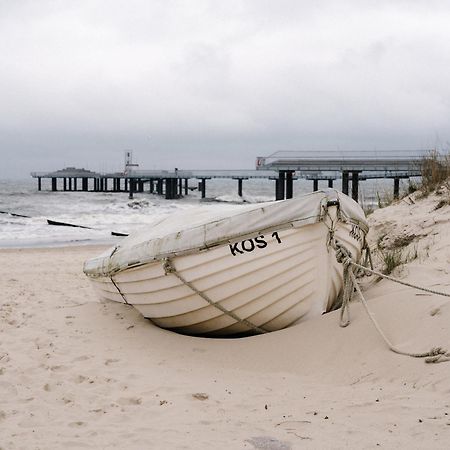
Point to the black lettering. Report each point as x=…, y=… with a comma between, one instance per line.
x=234, y=249
x=252, y=245
x=260, y=242
x=275, y=235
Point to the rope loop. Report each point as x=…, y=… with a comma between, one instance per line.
x=343, y=256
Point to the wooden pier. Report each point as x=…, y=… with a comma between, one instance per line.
x=282, y=167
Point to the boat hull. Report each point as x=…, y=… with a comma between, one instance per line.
x=271, y=281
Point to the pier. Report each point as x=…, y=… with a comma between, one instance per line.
x=281, y=167
x=350, y=167
x=170, y=183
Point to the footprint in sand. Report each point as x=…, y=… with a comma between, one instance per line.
x=268, y=443
x=79, y=379
x=110, y=361
x=77, y=424
x=81, y=358
x=129, y=401
x=200, y=396
x=7, y=390
x=58, y=368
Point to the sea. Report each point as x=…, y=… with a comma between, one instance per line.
x=25, y=211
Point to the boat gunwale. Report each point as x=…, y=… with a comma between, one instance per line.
x=224, y=241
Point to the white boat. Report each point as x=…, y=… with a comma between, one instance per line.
x=253, y=269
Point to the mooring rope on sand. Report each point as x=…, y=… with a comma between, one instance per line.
x=343, y=256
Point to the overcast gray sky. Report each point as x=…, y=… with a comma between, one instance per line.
x=212, y=84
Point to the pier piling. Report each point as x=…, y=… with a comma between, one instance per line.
x=396, y=188
x=280, y=185
x=315, y=185
x=289, y=184
x=355, y=185
x=345, y=182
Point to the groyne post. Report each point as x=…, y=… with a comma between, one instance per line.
x=39, y=184
x=54, y=184
x=330, y=182
x=186, y=186
x=84, y=184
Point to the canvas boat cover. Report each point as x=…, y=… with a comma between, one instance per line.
x=200, y=228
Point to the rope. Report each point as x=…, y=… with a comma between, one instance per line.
x=118, y=290
x=343, y=256
x=169, y=268
x=395, y=280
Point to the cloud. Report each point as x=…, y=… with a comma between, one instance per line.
x=217, y=83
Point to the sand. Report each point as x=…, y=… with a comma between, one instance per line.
x=79, y=373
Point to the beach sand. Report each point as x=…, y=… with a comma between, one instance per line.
x=79, y=373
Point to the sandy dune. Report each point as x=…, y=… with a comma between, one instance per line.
x=77, y=373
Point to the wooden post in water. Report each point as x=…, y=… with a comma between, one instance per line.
x=396, y=187
x=315, y=185
x=171, y=188
x=355, y=185
x=54, y=184
x=203, y=187
x=159, y=186
x=132, y=183
x=39, y=184
x=345, y=182
x=186, y=186
x=84, y=184
x=330, y=182
x=280, y=185
x=289, y=184
x=240, y=187
x=240, y=181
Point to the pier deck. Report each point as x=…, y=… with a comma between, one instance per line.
x=283, y=167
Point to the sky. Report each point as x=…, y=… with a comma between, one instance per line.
x=212, y=84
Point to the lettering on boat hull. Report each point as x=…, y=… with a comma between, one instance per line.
x=249, y=245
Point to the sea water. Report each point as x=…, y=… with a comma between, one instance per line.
x=106, y=212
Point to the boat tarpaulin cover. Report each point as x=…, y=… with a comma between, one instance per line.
x=201, y=228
